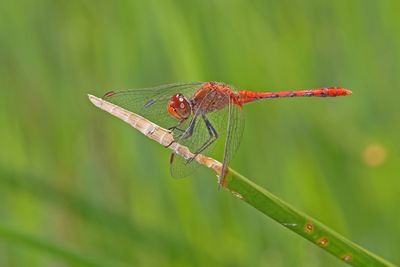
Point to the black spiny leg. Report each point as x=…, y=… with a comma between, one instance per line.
x=176, y=127
x=213, y=137
x=184, y=133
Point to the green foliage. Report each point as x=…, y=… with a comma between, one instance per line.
x=87, y=183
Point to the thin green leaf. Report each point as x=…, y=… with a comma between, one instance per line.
x=301, y=224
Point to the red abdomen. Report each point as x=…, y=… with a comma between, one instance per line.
x=248, y=96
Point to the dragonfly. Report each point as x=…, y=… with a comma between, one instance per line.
x=202, y=114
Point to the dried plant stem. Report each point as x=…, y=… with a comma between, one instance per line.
x=154, y=132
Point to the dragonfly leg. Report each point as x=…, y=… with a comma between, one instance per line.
x=176, y=127
x=185, y=133
x=213, y=137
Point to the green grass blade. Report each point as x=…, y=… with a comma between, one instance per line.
x=303, y=225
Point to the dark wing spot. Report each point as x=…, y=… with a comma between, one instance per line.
x=149, y=103
x=171, y=159
x=109, y=94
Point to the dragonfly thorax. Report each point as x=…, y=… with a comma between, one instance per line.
x=179, y=107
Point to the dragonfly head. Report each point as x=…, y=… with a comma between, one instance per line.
x=179, y=107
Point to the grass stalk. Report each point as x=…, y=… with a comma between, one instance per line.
x=256, y=196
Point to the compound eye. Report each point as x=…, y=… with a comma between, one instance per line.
x=181, y=102
x=179, y=107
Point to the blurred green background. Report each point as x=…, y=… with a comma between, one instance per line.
x=80, y=188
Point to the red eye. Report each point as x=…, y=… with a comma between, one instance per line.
x=179, y=107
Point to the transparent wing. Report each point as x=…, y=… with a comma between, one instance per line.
x=235, y=126
x=228, y=124
x=152, y=103
x=181, y=167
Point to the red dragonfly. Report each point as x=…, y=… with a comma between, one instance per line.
x=199, y=114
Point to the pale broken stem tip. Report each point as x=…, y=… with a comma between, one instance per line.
x=154, y=132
